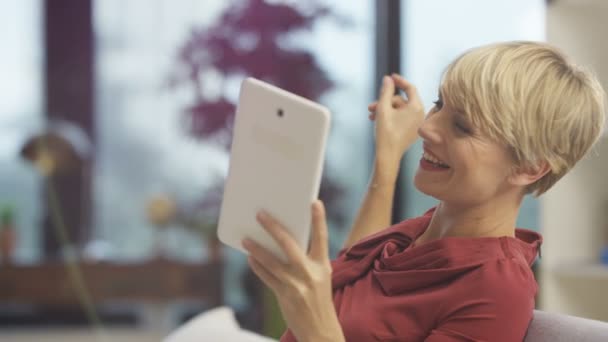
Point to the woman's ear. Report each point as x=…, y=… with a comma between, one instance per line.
x=525, y=176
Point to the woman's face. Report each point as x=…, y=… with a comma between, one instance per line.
x=459, y=165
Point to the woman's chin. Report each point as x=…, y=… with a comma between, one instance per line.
x=425, y=186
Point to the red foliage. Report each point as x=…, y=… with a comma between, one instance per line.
x=247, y=41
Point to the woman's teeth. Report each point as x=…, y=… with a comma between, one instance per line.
x=434, y=160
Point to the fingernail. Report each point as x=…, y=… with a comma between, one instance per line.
x=246, y=243
x=262, y=215
x=317, y=205
x=386, y=80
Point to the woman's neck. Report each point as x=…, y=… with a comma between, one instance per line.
x=491, y=219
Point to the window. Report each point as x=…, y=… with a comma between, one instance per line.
x=144, y=146
x=21, y=117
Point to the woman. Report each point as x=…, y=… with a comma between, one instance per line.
x=510, y=119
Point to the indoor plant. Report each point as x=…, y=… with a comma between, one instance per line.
x=8, y=235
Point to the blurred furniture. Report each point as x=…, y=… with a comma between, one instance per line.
x=153, y=286
x=553, y=327
x=158, y=280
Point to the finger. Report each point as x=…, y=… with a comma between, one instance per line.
x=397, y=101
x=265, y=276
x=386, y=92
x=372, y=116
x=319, y=240
x=372, y=106
x=409, y=89
x=267, y=258
x=294, y=253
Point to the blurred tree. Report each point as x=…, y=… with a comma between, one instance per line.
x=251, y=39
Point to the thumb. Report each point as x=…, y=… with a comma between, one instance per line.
x=319, y=242
x=386, y=92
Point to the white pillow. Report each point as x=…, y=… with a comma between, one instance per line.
x=214, y=325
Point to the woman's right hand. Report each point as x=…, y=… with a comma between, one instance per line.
x=397, y=119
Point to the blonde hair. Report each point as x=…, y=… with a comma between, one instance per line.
x=530, y=97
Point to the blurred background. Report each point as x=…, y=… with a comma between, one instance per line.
x=115, y=129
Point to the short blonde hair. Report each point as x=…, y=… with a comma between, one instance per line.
x=530, y=97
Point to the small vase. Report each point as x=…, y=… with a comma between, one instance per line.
x=8, y=241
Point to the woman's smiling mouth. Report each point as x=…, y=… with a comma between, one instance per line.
x=430, y=162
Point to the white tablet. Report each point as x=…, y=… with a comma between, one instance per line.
x=276, y=162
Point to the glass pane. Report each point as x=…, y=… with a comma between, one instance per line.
x=20, y=118
x=142, y=149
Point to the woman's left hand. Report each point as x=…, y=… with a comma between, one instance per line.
x=302, y=284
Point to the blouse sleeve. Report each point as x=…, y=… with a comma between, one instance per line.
x=498, y=305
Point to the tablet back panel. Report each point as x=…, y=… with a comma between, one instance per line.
x=276, y=164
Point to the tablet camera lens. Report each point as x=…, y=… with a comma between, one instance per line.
x=280, y=113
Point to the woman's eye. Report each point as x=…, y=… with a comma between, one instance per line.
x=462, y=128
x=438, y=104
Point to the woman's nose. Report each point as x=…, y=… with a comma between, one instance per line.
x=430, y=129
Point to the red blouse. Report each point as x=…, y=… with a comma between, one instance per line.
x=450, y=289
